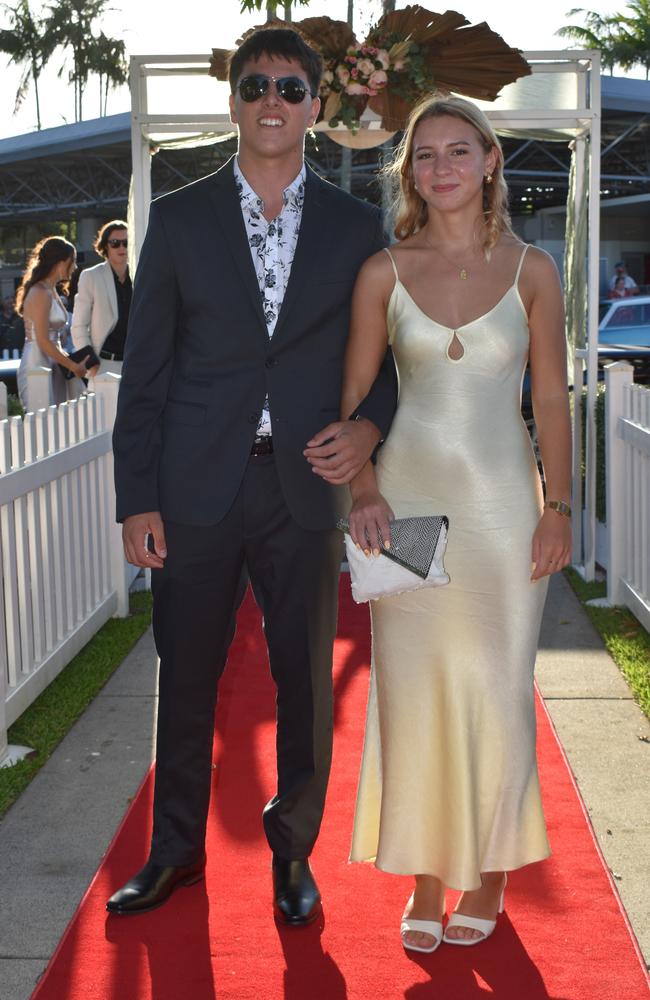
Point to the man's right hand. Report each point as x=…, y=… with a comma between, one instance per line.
x=134, y=535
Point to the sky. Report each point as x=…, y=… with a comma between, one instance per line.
x=150, y=27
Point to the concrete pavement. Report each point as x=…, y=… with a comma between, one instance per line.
x=53, y=838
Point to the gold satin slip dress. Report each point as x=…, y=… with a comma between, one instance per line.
x=449, y=784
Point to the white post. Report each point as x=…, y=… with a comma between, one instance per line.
x=4, y=410
x=141, y=157
x=4, y=744
x=8, y=754
x=593, y=277
x=617, y=376
x=107, y=387
x=38, y=391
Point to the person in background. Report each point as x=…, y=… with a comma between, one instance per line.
x=51, y=262
x=620, y=271
x=619, y=291
x=12, y=327
x=103, y=300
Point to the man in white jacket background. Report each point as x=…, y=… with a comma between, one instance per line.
x=101, y=307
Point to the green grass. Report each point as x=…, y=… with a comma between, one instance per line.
x=14, y=406
x=626, y=640
x=49, y=718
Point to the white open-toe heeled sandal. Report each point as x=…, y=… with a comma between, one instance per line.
x=474, y=923
x=433, y=927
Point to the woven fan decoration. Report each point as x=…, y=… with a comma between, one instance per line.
x=408, y=54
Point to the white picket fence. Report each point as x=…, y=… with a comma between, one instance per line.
x=627, y=415
x=63, y=570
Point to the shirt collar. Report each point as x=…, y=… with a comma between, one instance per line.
x=127, y=276
x=292, y=195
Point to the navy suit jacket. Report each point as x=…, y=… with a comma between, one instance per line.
x=199, y=361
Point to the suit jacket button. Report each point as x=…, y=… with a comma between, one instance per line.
x=253, y=418
x=271, y=362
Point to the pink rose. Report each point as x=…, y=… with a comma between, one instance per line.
x=343, y=75
x=365, y=66
x=354, y=73
x=382, y=56
x=356, y=88
x=378, y=79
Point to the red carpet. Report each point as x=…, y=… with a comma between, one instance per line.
x=563, y=936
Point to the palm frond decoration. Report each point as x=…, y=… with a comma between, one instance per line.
x=407, y=54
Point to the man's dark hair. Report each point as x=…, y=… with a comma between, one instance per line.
x=281, y=42
x=104, y=235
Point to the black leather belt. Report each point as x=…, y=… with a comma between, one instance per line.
x=262, y=445
x=107, y=356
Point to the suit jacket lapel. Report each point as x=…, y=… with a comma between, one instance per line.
x=225, y=201
x=310, y=236
x=111, y=294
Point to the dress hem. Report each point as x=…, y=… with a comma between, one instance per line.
x=509, y=867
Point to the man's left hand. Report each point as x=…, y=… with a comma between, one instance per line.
x=340, y=450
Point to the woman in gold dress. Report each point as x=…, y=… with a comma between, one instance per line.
x=449, y=789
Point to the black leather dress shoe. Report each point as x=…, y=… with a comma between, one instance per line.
x=296, y=899
x=152, y=886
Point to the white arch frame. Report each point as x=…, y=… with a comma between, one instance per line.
x=585, y=118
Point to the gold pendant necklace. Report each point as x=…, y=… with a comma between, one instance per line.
x=462, y=270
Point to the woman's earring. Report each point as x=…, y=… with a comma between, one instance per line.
x=488, y=178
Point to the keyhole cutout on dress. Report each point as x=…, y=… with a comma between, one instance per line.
x=455, y=349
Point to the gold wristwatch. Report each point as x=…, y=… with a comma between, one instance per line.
x=560, y=506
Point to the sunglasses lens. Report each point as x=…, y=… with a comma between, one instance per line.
x=117, y=243
x=291, y=89
x=251, y=88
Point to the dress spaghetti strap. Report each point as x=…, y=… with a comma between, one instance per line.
x=521, y=261
x=392, y=260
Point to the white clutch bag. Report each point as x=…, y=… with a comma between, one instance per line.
x=415, y=559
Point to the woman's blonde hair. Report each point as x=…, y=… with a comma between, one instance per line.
x=411, y=210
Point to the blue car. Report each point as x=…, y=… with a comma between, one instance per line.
x=626, y=322
x=624, y=334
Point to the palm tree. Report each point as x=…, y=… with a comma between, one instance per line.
x=634, y=38
x=29, y=45
x=108, y=59
x=72, y=24
x=271, y=7
x=598, y=32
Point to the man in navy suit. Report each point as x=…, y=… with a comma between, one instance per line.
x=233, y=364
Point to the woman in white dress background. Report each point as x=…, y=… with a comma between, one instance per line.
x=51, y=263
x=449, y=790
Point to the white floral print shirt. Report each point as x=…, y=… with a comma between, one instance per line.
x=272, y=246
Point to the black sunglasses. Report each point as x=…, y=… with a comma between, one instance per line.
x=117, y=243
x=290, y=88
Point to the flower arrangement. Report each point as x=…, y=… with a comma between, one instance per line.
x=365, y=71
